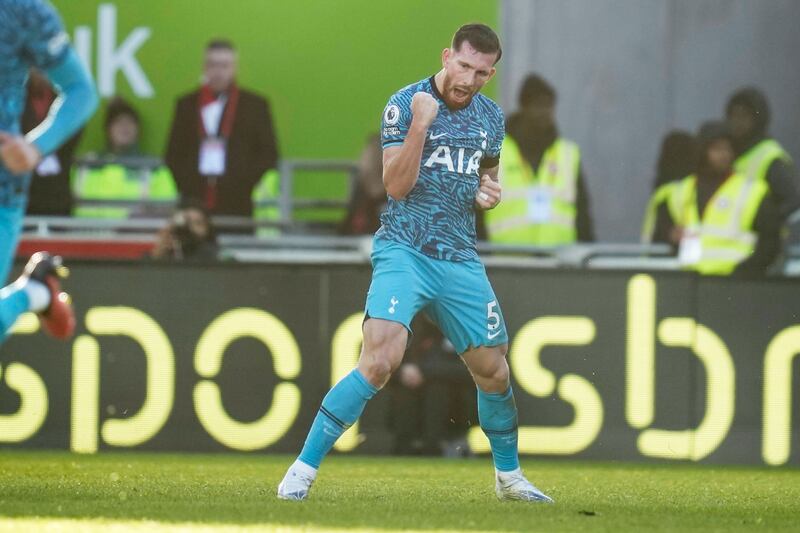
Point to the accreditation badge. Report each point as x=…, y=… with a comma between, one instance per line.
x=49, y=166
x=690, y=250
x=212, y=157
x=540, y=204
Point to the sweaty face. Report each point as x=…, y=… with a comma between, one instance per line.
x=720, y=156
x=741, y=121
x=466, y=71
x=220, y=69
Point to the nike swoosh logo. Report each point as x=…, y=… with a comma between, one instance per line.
x=491, y=336
x=434, y=137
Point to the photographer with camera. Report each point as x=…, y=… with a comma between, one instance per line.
x=189, y=236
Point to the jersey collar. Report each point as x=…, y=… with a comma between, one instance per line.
x=435, y=90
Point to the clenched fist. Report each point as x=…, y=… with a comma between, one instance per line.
x=489, y=193
x=424, y=107
x=18, y=155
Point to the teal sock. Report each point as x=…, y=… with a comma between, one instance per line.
x=497, y=414
x=340, y=408
x=13, y=302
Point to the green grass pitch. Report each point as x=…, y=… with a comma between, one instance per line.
x=56, y=491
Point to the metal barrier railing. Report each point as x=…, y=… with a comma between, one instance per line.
x=295, y=248
x=288, y=168
x=285, y=201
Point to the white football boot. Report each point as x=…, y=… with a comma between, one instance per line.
x=513, y=486
x=297, y=482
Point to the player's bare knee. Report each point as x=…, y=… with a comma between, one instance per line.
x=500, y=376
x=377, y=368
x=384, y=344
x=494, y=375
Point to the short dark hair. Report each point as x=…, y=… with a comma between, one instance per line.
x=220, y=44
x=535, y=88
x=481, y=37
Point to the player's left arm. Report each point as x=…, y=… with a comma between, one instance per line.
x=490, y=191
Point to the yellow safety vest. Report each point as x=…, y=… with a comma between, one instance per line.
x=114, y=183
x=755, y=162
x=664, y=194
x=536, y=208
x=725, y=230
x=264, y=209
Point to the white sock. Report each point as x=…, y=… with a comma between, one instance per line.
x=38, y=294
x=308, y=470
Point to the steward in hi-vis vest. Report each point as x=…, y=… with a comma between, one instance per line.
x=725, y=222
x=122, y=182
x=538, y=207
x=545, y=202
x=758, y=156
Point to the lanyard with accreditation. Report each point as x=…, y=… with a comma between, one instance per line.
x=215, y=125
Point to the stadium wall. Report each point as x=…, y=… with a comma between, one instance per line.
x=628, y=71
x=605, y=365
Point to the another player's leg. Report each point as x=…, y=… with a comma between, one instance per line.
x=37, y=286
x=38, y=289
x=384, y=345
x=497, y=413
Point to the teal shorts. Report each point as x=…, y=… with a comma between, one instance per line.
x=456, y=295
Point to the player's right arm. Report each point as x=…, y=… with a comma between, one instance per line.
x=45, y=45
x=401, y=162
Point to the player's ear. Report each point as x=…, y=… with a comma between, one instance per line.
x=445, y=56
x=491, y=74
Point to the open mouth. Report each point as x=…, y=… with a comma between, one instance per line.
x=461, y=93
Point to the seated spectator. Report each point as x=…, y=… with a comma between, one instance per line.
x=432, y=397
x=545, y=198
x=726, y=223
x=221, y=142
x=189, y=236
x=122, y=181
x=368, y=199
x=675, y=162
x=49, y=190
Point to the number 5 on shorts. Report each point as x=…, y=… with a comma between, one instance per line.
x=494, y=320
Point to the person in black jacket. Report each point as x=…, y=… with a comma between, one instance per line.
x=432, y=397
x=222, y=140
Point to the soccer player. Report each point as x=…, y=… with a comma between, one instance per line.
x=31, y=35
x=441, y=149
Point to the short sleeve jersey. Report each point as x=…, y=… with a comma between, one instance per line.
x=31, y=35
x=437, y=217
